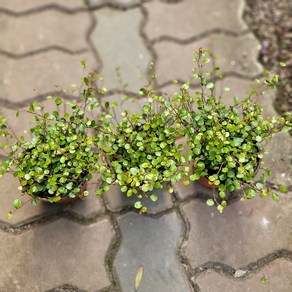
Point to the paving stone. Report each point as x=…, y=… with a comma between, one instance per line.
x=133, y=105
x=120, y=46
x=151, y=243
x=23, y=79
x=244, y=233
x=190, y=18
x=236, y=54
x=27, y=213
x=120, y=3
x=116, y=200
x=61, y=252
x=91, y=206
x=38, y=31
x=279, y=159
x=278, y=275
x=25, y=5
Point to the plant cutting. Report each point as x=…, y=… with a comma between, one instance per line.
x=227, y=142
x=56, y=160
x=139, y=153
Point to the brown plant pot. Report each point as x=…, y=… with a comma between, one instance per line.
x=67, y=200
x=206, y=183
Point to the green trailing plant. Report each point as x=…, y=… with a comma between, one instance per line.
x=140, y=153
x=58, y=157
x=226, y=142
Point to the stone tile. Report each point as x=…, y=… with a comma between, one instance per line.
x=279, y=159
x=235, y=54
x=61, y=252
x=120, y=45
x=27, y=213
x=190, y=18
x=23, y=79
x=120, y=3
x=25, y=5
x=38, y=31
x=133, y=105
x=278, y=275
x=240, y=88
x=91, y=206
x=116, y=200
x=153, y=244
x=244, y=233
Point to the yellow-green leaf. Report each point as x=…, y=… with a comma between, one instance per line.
x=138, y=277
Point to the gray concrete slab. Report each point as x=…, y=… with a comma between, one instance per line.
x=57, y=253
x=151, y=243
x=244, y=233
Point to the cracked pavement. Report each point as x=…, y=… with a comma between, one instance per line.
x=100, y=243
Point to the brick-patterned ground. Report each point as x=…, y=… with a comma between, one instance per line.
x=100, y=243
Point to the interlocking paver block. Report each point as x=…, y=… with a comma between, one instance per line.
x=279, y=159
x=191, y=18
x=27, y=213
x=25, y=5
x=278, y=277
x=120, y=3
x=236, y=54
x=244, y=233
x=153, y=244
x=120, y=45
x=38, y=31
x=116, y=200
x=61, y=252
x=23, y=79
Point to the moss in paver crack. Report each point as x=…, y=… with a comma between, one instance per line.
x=112, y=252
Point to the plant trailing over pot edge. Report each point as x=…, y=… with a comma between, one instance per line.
x=58, y=158
x=226, y=142
x=140, y=152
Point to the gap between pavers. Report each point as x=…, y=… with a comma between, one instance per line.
x=276, y=277
x=26, y=5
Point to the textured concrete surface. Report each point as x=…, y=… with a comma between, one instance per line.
x=156, y=253
x=244, y=233
x=180, y=20
x=37, y=32
x=125, y=52
x=60, y=252
x=99, y=244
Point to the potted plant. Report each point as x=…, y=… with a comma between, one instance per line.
x=58, y=158
x=226, y=142
x=139, y=153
